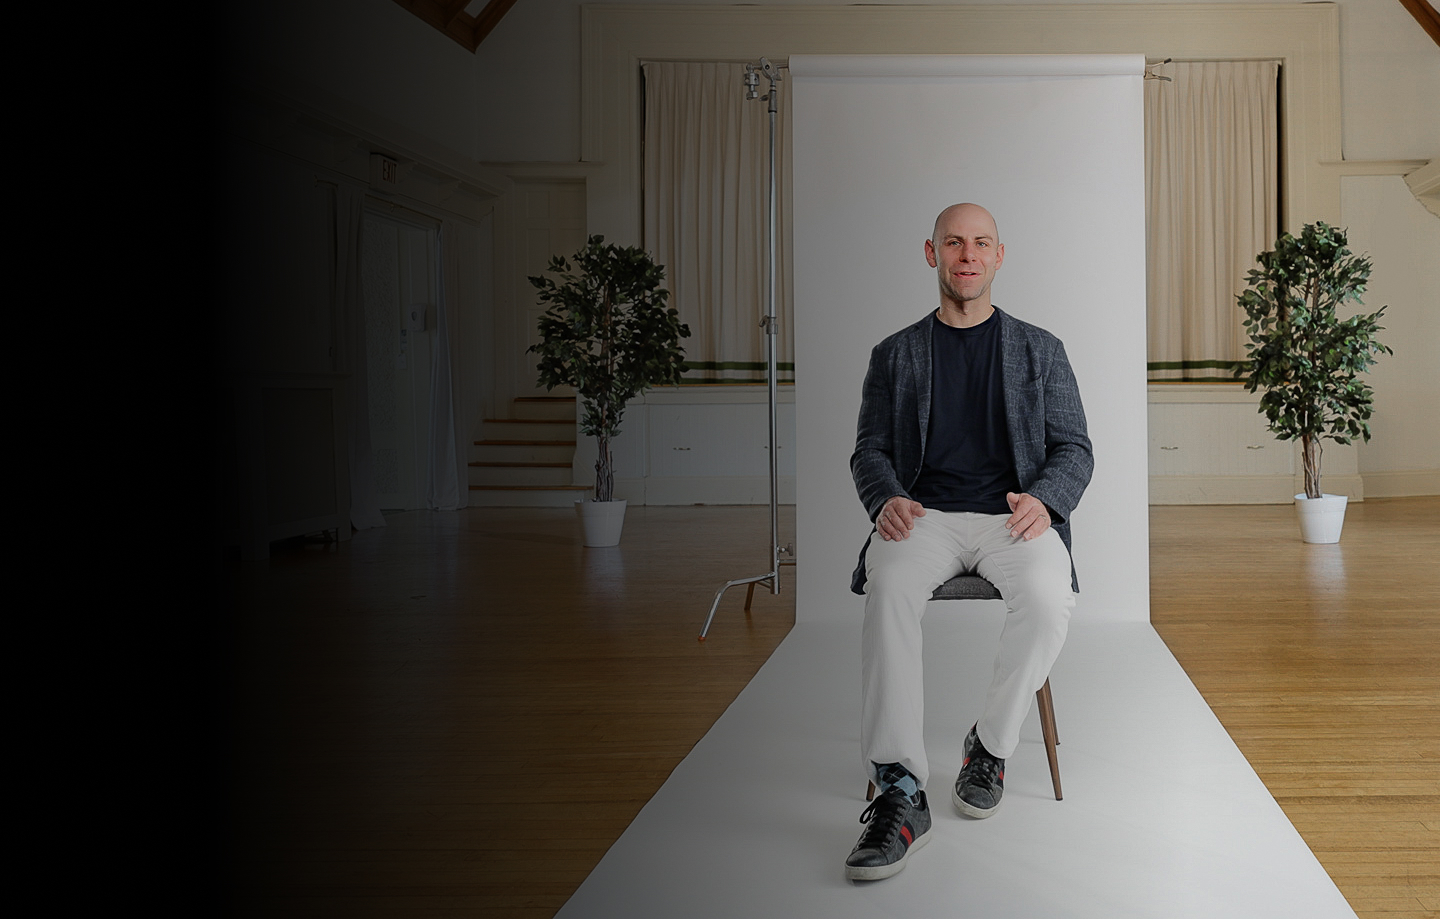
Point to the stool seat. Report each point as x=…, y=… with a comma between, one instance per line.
x=966, y=587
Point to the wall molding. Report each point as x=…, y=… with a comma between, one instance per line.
x=336, y=137
x=1374, y=167
x=1424, y=182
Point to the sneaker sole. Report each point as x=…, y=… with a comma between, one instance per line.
x=970, y=810
x=881, y=872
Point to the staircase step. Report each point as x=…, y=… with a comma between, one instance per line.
x=530, y=475
x=521, y=421
x=529, y=487
x=523, y=451
x=544, y=408
x=490, y=496
x=529, y=429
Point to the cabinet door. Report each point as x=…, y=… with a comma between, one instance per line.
x=1208, y=438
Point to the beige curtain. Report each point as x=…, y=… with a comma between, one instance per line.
x=1212, y=203
x=706, y=212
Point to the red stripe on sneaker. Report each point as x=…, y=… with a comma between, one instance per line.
x=905, y=831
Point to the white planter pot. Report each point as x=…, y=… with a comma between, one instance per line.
x=1321, y=518
x=602, y=521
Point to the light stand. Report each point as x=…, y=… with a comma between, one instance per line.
x=768, y=323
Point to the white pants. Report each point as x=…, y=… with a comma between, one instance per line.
x=1034, y=579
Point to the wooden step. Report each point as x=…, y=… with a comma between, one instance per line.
x=544, y=408
x=521, y=421
x=517, y=474
x=523, y=451
x=481, y=496
x=530, y=487
x=547, y=429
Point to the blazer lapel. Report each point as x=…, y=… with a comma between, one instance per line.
x=921, y=346
x=1015, y=368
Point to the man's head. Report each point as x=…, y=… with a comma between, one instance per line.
x=965, y=251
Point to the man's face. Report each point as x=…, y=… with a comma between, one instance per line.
x=966, y=252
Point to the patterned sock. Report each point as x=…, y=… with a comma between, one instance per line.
x=894, y=774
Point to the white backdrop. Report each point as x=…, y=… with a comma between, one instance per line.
x=1053, y=145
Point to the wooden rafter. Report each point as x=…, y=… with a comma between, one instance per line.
x=449, y=16
x=1424, y=14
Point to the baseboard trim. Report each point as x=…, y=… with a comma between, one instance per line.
x=1402, y=484
x=682, y=490
x=1245, y=489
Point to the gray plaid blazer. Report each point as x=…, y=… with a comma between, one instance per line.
x=1053, y=459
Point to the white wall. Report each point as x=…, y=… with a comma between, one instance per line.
x=372, y=53
x=1403, y=240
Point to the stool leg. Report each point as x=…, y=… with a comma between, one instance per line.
x=870, y=792
x=1046, y=704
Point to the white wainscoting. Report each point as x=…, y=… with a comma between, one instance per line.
x=699, y=445
x=1209, y=444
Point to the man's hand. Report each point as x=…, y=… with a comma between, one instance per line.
x=1030, y=518
x=897, y=517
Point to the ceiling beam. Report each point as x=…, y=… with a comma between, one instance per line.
x=495, y=10
x=449, y=16
x=1425, y=14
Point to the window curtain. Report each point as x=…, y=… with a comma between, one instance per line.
x=350, y=355
x=1212, y=204
x=706, y=214
x=447, y=470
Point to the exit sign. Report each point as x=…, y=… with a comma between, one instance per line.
x=384, y=172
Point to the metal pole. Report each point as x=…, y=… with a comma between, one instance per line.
x=769, y=324
x=771, y=335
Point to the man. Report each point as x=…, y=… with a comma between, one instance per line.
x=970, y=457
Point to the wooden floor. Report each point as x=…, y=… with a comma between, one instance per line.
x=459, y=714
x=1323, y=663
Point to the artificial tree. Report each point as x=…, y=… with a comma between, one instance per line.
x=1306, y=358
x=609, y=333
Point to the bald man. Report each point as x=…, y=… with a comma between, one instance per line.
x=971, y=455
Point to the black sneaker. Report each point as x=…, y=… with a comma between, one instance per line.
x=981, y=781
x=897, y=825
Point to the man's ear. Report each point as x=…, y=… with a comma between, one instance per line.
x=999, y=256
x=930, y=254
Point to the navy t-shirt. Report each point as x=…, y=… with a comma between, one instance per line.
x=969, y=465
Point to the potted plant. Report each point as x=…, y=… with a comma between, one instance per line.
x=1308, y=359
x=609, y=333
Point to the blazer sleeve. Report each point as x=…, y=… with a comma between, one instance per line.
x=1069, y=459
x=873, y=462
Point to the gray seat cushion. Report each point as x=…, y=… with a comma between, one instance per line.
x=966, y=587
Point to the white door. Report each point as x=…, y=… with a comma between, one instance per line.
x=399, y=281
